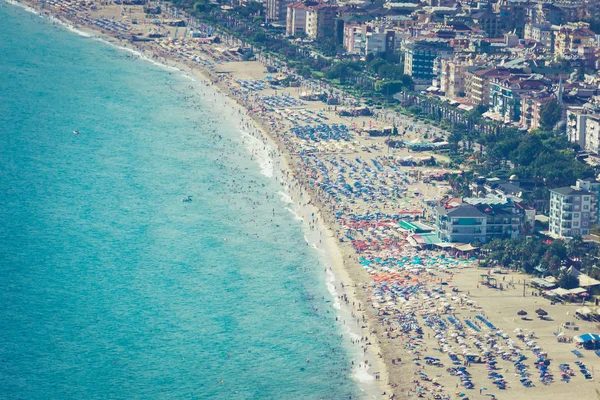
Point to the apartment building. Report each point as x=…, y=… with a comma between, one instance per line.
x=571, y=36
x=479, y=220
x=531, y=107
x=277, y=9
x=320, y=20
x=452, y=77
x=505, y=95
x=363, y=39
x=419, y=56
x=295, y=23
x=477, y=83
x=583, y=128
x=541, y=33
x=573, y=209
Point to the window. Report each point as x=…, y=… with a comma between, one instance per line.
x=577, y=198
x=586, y=207
x=586, y=198
x=576, y=207
x=576, y=215
x=575, y=223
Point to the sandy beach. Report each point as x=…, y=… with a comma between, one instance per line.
x=418, y=322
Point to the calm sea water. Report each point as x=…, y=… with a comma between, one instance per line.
x=111, y=287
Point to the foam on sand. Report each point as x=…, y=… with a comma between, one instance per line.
x=260, y=152
x=297, y=217
x=286, y=198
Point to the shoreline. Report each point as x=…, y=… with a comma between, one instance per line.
x=408, y=316
x=330, y=253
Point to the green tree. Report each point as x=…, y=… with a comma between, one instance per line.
x=389, y=88
x=550, y=114
x=567, y=281
x=576, y=247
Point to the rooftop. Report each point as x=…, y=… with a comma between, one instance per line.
x=463, y=211
x=569, y=191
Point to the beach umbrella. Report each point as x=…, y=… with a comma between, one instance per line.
x=522, y=313
x=541, y=313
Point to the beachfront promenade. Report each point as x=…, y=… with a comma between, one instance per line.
x=428, y=328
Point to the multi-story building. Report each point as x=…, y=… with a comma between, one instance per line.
x=419, y=56
x=477, y=83
x=505, y=95
x=488, y=22
x=513, y=15
x=531, y=107
x=479, y=220
x=463, y=224
x=546, y=12
x=573, y=209
x=583, y=128
x=320, y=20
x=295, y=23
x=452, y=77
x=368, y=39
x=572, y=36
x=277, y=9
x=541, y=33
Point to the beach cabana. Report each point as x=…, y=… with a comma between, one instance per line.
x=590, y=341
x=542, y=284
x=577, y=291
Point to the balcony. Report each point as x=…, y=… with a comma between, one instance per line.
x=498, y=222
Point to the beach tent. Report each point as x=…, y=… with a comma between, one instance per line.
x=584, y=280
x=588, y=337
x=560, y=292
x=584, y=311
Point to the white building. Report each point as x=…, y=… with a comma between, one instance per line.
x=452, y=77
x=277, y=9
x=320, y=20
x=573, y=209
x=295, y=23
x=368, y=39
x=541, y=33
x=583, y=128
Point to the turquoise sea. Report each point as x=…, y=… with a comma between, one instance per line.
x=112, y=287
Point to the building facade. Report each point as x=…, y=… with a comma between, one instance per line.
x=320, y=21
x=452, y=78
x=295, y=23
x=540, y=33
x=368, y=39
x=419, y=58
x=479, y=222
x=531, y=107
x=571, y=36
x=505, y=95
x=477, y=84
x=583, y=128
x=277, y=9
x=573, y=210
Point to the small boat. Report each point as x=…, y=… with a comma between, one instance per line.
x=76, y=132
x=187, y=199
